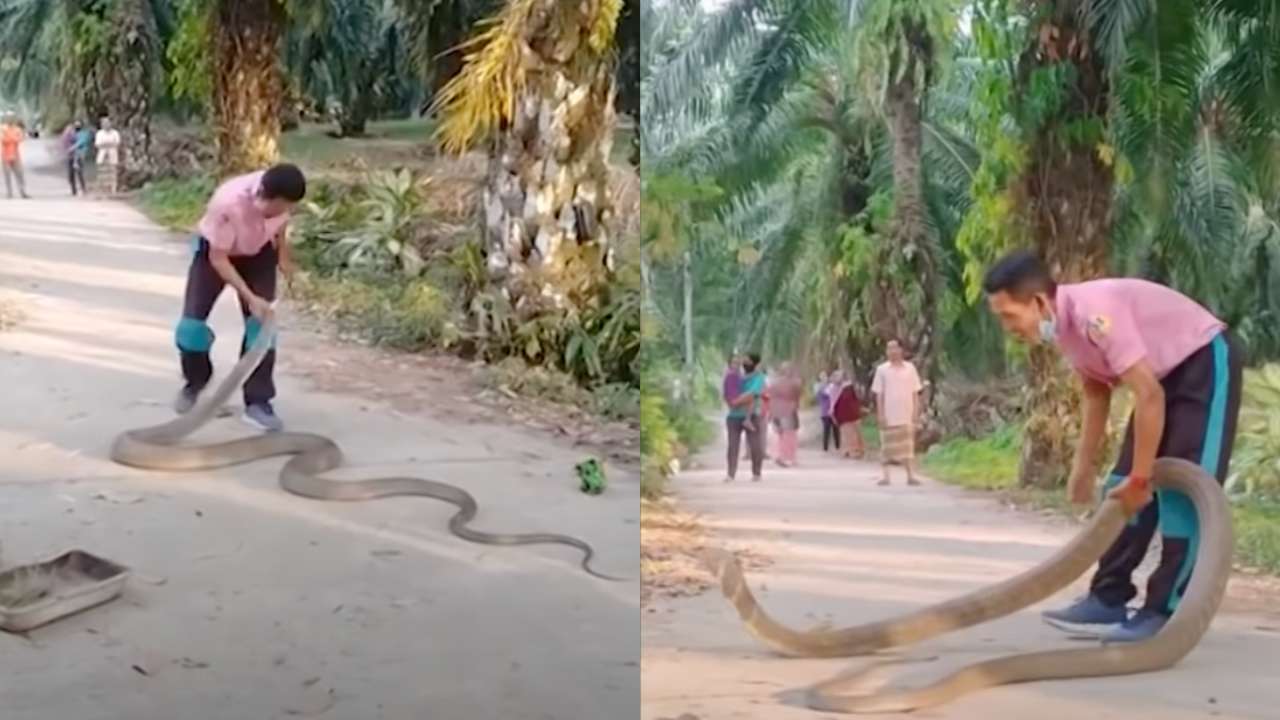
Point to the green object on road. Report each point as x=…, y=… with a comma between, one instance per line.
x=591, y=476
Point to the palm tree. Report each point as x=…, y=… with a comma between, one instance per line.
x=351, y=53
x=538, y=87
x=434, y=32
x=902, y=41
x=248, y=85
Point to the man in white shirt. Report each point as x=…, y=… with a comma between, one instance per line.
x=897, y=389
x=108, y=143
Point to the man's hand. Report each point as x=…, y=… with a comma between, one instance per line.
x=1080, y=487
x=289, y=270
x=258, y=307
x=1134, y=494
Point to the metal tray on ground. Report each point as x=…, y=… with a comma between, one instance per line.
x=39, y=593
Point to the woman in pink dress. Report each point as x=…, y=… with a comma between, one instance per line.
x=784, y=396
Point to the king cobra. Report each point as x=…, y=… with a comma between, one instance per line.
x=1178, y=637
x=156, y=448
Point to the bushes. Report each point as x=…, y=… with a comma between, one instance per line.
x=986, y=463
x=406, y=314
x=1255, y=464
x=672, y=425
x=658, y=442
x=385, y=231
x=177, y=203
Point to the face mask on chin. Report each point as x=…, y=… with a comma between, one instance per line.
x=1048, y=326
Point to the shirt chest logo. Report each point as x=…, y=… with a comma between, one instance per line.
x=1098, y=329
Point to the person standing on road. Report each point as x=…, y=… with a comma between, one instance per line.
x=108, y=143
x=75, y=142
x=242, y=242
x=731, y=383
x=785, y=392
x=744, y=418
x=1184, y=369
x=825, y=400
x=11, y=137
x=897, y=387
x=846, y=411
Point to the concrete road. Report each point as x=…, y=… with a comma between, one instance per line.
x=845, y=551
x=250, y=603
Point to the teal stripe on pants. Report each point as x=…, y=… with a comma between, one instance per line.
x=1177, y=514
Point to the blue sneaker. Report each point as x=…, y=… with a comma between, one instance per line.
x=261, y=416
x=185, y=400
x=1086, y=615
x=1143, y=625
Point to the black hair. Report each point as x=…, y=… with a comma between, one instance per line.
x=1021, y=273
x=753, y=362
x=284, y=182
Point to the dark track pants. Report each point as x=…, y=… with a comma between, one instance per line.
x=736, y=428
x=830, y=434
x=1202, y=403
x=194, y=336
x=75, y=173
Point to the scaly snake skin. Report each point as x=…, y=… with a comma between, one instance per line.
x=1177, y=638
x=156, y=448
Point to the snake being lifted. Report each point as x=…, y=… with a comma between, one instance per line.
x=1189, y=622
x=156, y=448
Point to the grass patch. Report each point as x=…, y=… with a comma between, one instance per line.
x=991, y=463
x=176, y=204
x=987, y=463
x=407, y=315
x=1257, y=526
x=386, y=142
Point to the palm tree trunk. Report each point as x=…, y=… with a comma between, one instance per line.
x=1065, y=196
x=546, y=199
x=688, y=310
x=128, y=83
x=906, y=282
x=248, y=87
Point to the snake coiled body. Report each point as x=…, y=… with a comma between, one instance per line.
x=157, y=448
x=1178, y=637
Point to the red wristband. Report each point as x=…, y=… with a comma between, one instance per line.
x=1140, y=481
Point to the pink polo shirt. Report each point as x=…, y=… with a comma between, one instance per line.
x=1106, y=326
x=232, y=223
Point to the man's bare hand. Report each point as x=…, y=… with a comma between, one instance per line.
x=1080, y=487
x=259, y=308
x=1133, y=494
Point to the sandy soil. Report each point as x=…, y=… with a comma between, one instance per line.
x=845, y=551
x=251, y=603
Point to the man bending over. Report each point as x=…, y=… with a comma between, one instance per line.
x=241, y=243
x=1184, y=370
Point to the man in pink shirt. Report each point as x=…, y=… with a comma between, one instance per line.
x=1184, y=370
x=241, y=243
